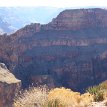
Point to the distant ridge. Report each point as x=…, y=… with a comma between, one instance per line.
x=14, y=18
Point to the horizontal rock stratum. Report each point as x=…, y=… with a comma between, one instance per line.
x=9, y=86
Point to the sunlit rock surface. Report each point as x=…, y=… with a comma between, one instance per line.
x=9, y=86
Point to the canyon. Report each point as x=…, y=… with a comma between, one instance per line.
x=69, y=51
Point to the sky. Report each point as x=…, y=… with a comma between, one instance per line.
x=54, y=3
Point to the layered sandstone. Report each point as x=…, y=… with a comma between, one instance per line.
x=77, y=19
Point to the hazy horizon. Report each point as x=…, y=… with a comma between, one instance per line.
x=54, y=3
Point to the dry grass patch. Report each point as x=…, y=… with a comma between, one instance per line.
x=58, y=97
x=68, y=98
x=34, y=97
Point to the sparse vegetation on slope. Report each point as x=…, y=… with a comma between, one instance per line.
x=58, y=97
x=62, y=97
x=97, y=92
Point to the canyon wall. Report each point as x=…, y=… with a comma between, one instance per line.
x=70, y=51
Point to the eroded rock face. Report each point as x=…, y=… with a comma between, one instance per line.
x=9, y=86
x=77, y=19
x=70, y=51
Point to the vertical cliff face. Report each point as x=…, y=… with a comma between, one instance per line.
x=9, y=86
x=70, y=51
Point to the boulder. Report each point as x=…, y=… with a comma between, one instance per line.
x=9, y=86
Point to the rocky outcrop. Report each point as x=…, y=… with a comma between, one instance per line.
x=70, y=51
x=9, y=86
x=28, y=30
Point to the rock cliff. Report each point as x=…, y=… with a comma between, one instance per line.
x=70, y=51
x=9, y=86
x=78, y=19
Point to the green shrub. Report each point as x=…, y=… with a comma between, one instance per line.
x=98, y=96
x=103, y=85
x=94, y=90
x=97, y=92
